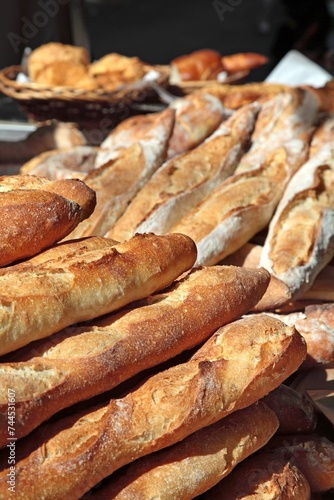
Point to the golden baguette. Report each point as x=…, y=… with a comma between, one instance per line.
x=197, y=463
x=56, y=164
x=38, y=301
x=81, y=362
x=300, y=240
x=140, y=129
x=182, y=182
x=36, y=212
x=240, y=206
x=197, y=116
x=262, y=476
x=118, y=181
x=290, y=115
x=74, y=454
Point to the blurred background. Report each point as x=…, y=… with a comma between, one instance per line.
x=158, y=31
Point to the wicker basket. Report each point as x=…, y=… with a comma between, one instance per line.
x=87, y=108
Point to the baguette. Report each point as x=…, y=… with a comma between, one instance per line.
x=240, y=206
x=197, y=463
x=183, y=181
x=118, y=181
x=295, y=412
x=81, y=362
x=57, y=164
x=300, y=241
x=262, y=477
x=287, y=116
x=197, y=116
x=36, y=212
x=140, y=129
x=36, y=302
x=74, y=454
x=311, y=453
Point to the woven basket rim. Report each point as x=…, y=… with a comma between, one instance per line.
x=30, y=90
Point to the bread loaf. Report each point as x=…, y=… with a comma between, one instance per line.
x=243, y=61
x=262, y=477
x=81, y=362
x=57, y=164
x=196, y=117
x=240, y=206
x=118, y=181
x=36, y=212
x=41, y=300
x=139, y=128
x=300, y=241
x=289, y=115
x=183, y=181
x=295, y=412
x=202, y=64
x=73, y=455
x=324, y=132
x=194, y=465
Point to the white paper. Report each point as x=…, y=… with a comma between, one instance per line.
x=296, y=69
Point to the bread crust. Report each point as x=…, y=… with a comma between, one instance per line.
x=80, y=362
x=118, y=181
x=300, y=241
x=36, y=213
x=240, y=206
x=162, y=411
x=197, y=463
x=183, y=181
x=36, y=302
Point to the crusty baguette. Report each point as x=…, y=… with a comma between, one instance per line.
x=197, y=116
x=61, y=251
x=36, y=212
x=300, y=241
x=262, y=476
x=184, y=180
x=136, y=129
x=77, y=453
x=311, y=453
x=240, y=206
x=316, y=324
x=118, y=181
x=288, y=115
x=295, y=412
x=57, y=164
x=81, y=362
x=39, y=301
x=243, y=61
x=197, y=463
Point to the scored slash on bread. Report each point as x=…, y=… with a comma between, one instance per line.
x=39, y=300
x=181, y=182
x=242, y=205
x=118, y=181
x=162, y=411
x=81, y=362
x=191, y=467
x=36, y=212
x=300, y=240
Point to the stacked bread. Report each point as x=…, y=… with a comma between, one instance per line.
x=132, y=353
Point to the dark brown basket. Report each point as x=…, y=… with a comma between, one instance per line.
x=89, y=109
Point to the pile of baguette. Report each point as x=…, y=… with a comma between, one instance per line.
x=156, y=305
